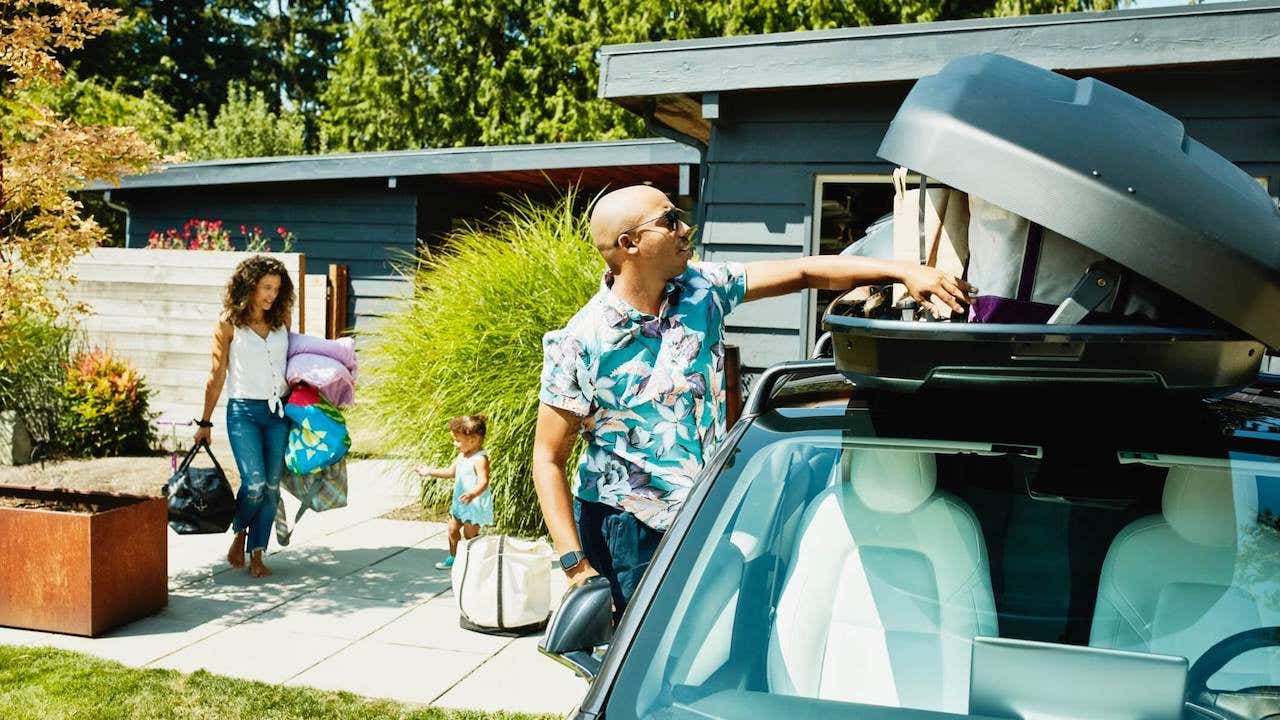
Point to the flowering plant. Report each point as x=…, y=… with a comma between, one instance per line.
x=106, y=407
x=196, y=235
x=199, y=234
x=257, y=241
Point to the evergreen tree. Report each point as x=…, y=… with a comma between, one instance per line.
x=429, y=73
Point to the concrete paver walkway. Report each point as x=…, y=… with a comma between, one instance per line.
x=354, y=604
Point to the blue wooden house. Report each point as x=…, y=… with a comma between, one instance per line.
x=372, y=210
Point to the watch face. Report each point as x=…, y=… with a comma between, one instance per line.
x=569, y=559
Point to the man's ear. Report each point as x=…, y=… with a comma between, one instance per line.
x=627, y=243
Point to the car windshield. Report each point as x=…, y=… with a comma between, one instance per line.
x=895, y=558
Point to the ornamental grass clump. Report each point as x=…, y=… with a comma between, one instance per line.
x=469, y=341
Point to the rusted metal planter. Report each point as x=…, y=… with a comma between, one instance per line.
x=97, y=563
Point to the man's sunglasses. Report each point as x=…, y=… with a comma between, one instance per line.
x=672, y=216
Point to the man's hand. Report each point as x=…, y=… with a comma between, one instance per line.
x=580, y=573
x=931, y=285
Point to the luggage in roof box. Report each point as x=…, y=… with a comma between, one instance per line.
x=1118, y=185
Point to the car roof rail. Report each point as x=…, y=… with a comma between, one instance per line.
x=823, y=347
x=764, y=388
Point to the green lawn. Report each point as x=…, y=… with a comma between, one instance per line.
x=47, y=684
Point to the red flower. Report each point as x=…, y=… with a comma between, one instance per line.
x=243, y=231
x=281, y=231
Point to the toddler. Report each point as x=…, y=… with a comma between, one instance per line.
x=472, y=504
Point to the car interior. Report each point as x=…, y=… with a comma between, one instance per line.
x=863, y=573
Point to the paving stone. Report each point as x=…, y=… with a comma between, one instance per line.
x=332, y=615
x=435, y=625
x=529, y=682
x=254, y=653
x=400, y=672
x=378, y=583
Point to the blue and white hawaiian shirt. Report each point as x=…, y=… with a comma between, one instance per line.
x=651, y=389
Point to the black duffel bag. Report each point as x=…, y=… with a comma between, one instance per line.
x=200, y=499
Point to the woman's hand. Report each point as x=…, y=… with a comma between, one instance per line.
x=203, y=435
x=929, y=285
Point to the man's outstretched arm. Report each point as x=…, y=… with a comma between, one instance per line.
x=770, y=278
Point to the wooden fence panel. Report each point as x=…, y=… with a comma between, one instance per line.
x=315, y=312
x=157, y=308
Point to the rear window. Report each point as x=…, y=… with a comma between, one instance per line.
x=842, y=567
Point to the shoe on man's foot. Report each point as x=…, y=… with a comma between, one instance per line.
x=445, y=564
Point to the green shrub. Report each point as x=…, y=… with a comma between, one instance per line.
x=470, y=341
x=105, y=407
x=35, y=350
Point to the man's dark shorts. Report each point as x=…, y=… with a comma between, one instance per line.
x=617, y=545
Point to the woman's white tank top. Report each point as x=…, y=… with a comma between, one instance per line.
x=256, y=368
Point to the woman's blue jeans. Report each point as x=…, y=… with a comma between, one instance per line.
x=258, y=440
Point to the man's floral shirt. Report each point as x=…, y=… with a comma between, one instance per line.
x=651, y=389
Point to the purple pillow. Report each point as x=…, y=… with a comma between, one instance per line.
x=343, y=349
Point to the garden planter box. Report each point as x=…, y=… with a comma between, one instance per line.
x=80, y=563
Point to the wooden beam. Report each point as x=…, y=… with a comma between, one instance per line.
x=337, y=315
x=684, y=114
x=711, y=106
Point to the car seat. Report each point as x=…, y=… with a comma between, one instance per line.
x=1200, y=571
x=887, y=586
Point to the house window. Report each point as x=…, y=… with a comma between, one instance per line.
x=844, y=206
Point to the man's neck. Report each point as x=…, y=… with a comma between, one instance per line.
x=643, y=294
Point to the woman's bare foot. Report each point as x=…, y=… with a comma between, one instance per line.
x=256, y=568
x=235, y=555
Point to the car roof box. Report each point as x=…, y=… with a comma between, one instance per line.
x=1112, y=173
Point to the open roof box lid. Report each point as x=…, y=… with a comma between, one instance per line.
x=1112, y=173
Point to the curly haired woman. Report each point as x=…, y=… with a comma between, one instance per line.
x=250, y=348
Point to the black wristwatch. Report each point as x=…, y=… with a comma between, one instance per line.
x=203, y=423
x=570, y=560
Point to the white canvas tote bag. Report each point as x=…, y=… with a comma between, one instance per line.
x=503, y=584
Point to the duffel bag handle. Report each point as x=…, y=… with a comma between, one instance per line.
x=191, y=455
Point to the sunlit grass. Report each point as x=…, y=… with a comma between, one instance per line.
x=48, y=684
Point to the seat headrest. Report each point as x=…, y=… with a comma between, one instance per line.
x=1209, y=506
x=892, y=481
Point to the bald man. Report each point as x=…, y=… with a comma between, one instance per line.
x=639, y=374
